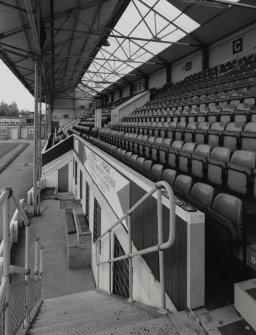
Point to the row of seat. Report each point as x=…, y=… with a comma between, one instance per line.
x=225, y=208
x=218, y=165
x=232, y=135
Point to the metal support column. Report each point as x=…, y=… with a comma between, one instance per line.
x=6, y=265
x=130, y=299
x=46, y=119
x=39, y=134
x=35, y=161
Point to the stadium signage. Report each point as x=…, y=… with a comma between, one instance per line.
x=113, y=186
x=237, y=45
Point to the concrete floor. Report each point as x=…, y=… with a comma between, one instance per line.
x=57, y=279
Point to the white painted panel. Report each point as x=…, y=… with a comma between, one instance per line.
x=221, y=51
x=178, y=71
x=157, y=79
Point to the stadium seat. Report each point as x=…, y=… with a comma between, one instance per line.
x=172, y=154
x=155, y=148
x=215, y=134
x=156, y=172
x=248, y=137
x=185, y=157
x=231, y=135
x=201, y=196
x=241, y=172
x=164, y=149
x=199, y=160
x=201, y=132
x=216, y=165
x=189, y=131
x=183, y=185
x=169, y=175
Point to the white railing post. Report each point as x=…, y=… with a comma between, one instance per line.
x=41, y=267
x=130, y=299
x=110, y=264
x=6, y=264
x=97, y=261
x=36, y=258
x=161, y=252
x=27, y=268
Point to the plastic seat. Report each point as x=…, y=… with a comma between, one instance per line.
x=227, y=112
x=142, y=143
x=241, y=172
x=164, y=149
x=156, y=172
x=216, y=165
x=183, y=185
x=214, y=113
x=242, y=112
x=199, y=159
x=189, y=131
x=215, y=134
x=148, y=146
x=248, y=137
x=223, y=233
x=146, y=167
x=169, y=175
x=201, y=196
x=231, y=135
x=155, y=148
x=136, y=144
x=185, y=157
x=180, y=130
x=173, y=152
x=201, y=132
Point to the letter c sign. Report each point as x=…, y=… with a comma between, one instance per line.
x=237, y=45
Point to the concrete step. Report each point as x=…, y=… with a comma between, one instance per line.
x=76, y=311
x=84, y=325
x=159, y=326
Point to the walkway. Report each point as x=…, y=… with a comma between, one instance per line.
x=58, y=279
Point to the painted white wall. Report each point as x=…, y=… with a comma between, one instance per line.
x=222, y=50
x=178, y=73
x=157, y=79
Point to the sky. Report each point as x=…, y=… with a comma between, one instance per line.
x=11, y=89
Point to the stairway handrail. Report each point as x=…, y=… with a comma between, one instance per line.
x=5, y=301
x=160, y=246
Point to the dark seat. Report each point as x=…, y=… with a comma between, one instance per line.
x=189, y=131
x=242, y=112
x=231, y=135
x=184, y=161
x=155, y=148
x=169, y=175
x=215, y=134
x=173, y=152
x=241, y=172
x=199, y=159
x=248, y=137
x=183, y=185
x=156, y=172
x=201, y=196
x=164, y=149
x=201, y=132
x=216, y=165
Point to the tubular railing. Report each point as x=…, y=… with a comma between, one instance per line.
x=20, y=289
x=159, y=247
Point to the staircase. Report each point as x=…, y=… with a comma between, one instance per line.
x=96, y=312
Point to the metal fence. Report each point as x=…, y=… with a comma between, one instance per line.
x=20, y=288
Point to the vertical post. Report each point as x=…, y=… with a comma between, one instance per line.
x=39, y=137
x=27, y=268
x=35, y=168
x=46, y=119
x=97, y=261
x=6, y=264
x=130, y=299
x=41, y=267
x=110, y=264
x=161, y=252
x=36, y=258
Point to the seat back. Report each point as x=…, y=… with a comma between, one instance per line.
x=203, y=194
x=169, y=175
x=183, y=184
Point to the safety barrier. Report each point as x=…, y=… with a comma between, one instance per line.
x=159, y=247
x=20, y=288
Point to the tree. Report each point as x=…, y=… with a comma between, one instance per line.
x=9, y=110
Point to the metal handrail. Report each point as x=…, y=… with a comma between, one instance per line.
x=159, y=247
x=8, y=269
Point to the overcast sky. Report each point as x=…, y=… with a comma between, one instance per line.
x=11, y=89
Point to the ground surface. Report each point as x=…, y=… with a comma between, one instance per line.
x=6, y=147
